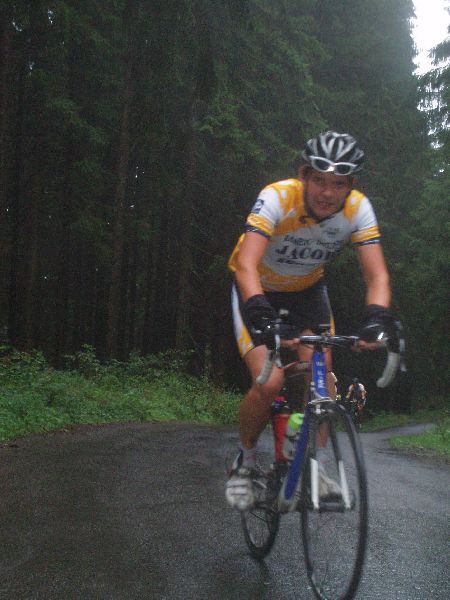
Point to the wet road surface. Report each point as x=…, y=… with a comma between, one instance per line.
x=137, y=511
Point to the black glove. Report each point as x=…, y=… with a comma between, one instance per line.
x=376, y=320
x=257, y=312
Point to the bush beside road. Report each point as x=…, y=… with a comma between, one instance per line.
x=35, y=398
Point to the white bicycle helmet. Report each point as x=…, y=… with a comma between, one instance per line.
x=333, y=152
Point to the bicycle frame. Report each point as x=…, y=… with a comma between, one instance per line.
x=318, y=394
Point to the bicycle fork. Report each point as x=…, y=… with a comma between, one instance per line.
x=314, y=467
x=319, y=392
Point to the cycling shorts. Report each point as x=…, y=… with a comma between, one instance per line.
x=306, y=310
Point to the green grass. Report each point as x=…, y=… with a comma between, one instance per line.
x=434, y=441
x=387, y=420
x=36, y=398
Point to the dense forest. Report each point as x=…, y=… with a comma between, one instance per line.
x=136, y=134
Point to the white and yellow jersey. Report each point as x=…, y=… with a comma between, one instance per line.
x=300, y=246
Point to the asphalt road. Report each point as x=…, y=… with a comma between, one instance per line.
x=130, y=512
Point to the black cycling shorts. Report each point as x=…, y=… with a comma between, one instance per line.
x=306, y=310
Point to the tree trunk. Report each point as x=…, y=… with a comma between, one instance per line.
x=122, y=351
x=14, y=315
x=182, y=335
x=64, y=293
x=132, y=301
x=6, y=34
x=120, y=191
x=202, y=82
x=31, y=267
x=155, y=257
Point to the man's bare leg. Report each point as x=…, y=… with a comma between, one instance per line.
x=255, y=407
x=254, y=414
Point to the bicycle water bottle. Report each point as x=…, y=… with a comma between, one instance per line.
x=280, y=415
x=291, y=434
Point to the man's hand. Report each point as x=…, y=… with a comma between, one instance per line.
x=362, y=345
x=257, y=312
x=290, y=344
x=377, y=320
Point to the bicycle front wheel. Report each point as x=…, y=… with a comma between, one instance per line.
x=335, y=532
x=260, y=523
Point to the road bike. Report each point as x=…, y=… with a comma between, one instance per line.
x=333, y=526
x=356, y=411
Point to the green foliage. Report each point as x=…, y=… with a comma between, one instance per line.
x=36, y=398
x=435, y=441
x=387, y=420
x=85, y=361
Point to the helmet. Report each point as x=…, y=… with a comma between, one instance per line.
x=355, y=380
x=333, y=152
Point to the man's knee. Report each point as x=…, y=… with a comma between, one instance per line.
x=265, y=394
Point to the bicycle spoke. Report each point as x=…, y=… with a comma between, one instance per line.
x=260, y=523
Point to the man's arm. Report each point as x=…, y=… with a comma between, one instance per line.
x=250, y=254
x=375, y=274
x=378, y=289
x=256, y=310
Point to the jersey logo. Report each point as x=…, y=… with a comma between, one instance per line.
x=332, y=231
x=258, y=206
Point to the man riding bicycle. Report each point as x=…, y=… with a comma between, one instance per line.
x=356, y=392
x=356, y=399
x=295, y=227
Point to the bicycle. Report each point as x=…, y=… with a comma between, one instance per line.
x=355, y=410
x=334, y=527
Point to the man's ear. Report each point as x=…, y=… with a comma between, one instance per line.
x=303, y=172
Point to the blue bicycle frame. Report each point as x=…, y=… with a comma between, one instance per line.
x=319, y=391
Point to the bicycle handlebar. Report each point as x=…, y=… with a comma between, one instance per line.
x=395, y=352
x=390, y=370
x=396, y=357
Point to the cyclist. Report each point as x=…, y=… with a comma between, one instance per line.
x=356, y=399
x=295, y=227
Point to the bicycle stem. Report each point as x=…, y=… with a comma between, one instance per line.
x=319, y=380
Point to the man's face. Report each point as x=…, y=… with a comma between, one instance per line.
x=325, y=192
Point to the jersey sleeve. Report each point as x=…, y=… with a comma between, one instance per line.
x=366, y=230
x=265, y=214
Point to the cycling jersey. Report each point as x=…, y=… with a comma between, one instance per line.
x=299, y=245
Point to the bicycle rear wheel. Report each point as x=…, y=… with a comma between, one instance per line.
x=260, y=523
x=334, y=537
